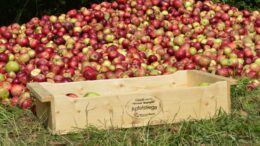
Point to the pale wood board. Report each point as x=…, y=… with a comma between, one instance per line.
x=174, y=97
x=39, y=91
x=195, y=77
x=119, y=86
x=106, y=112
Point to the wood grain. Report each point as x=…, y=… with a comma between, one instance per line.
x=134, y=102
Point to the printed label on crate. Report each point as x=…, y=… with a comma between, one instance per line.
x=143, y=107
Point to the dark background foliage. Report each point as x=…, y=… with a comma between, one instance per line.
x=243, y=4
x=23, y=10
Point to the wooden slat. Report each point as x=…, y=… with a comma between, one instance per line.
x=230, y=80
x=39, y=92
x=122, y=86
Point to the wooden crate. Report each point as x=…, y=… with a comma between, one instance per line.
x=132, y=102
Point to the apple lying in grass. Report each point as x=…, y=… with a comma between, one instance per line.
x=4, y=93
x=14, y=100
x=253, y=84
x=26, y=104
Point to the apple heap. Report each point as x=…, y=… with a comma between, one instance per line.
x=128, y=38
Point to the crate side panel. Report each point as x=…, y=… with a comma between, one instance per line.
x=196, y=77
x=40, y=92
x=120, y=86
x=155, y=107
x=42, y=110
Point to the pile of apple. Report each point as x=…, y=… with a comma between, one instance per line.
x=128, y=38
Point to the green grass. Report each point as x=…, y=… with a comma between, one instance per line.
x=241, y=127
